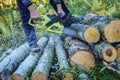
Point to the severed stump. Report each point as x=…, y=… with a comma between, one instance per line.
x=27, y=66
x=62, y=57
x=41, y=72
x=15, y=58
x=112, y=31
x=80, y=54
x=105, y=51
x=118, y=53
x=87, y=33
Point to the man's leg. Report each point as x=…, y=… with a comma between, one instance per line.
x=29, y=30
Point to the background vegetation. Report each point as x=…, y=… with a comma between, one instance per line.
x=12, y=35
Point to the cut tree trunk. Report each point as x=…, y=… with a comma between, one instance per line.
x=105, y=51
x=62, y=57
x=27, y=66
x=112, y=31
x=15, y=58
x=87, y=33
x=109, y=27
x=41, y=72
x=80, y=54
x=5, y=54
x=118, y=53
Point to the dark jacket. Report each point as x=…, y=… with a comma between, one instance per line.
x=28, y=2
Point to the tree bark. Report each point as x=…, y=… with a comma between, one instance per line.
x=87, y=33
x=15, y=58
x=105, y=51
x=5, y=54
x=41, y=72
x=61, y=54
x=62, y=57
x=118, y=53
x=27, y=66
x=80, y=54
x=112, y=31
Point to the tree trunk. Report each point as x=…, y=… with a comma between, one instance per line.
x=112, y=31
x=118, y=53
x=5, y=54
x=105, y=51
x=27, y=66
x=80, y=54
x=41, y=72
x=109, y=27
x=62, y=57
x=15, y=58
x=87, y=33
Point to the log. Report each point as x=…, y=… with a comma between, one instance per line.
x=62, y=57
x=87, y=33
x=105, y=51
x=41, y=72
x=61, y=54
x=15, y=58
x=5, y=54
x=118, y=54
x=112, y=31
x=90, y=19
x=27, y=66
x=80, y=54
x=109, y=27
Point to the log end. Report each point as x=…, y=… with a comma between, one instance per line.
x=109, y=54
x=92, y=35
x=118, y=55
x=17, y=77
x=69, y=76
x=84, y=60
x=112, y=31
x=38, y=76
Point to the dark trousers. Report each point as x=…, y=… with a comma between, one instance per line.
x=67, y=13
x=29, y=30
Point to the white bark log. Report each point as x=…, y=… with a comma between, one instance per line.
x=30, y=62
x=5, y=54
x=17, y=56
x=44, y=63
x=61, y=54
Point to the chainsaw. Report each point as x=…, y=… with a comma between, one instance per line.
x=51, y=24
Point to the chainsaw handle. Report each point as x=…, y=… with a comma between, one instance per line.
x=29, y=22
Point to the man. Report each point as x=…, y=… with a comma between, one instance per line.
x=27, y=11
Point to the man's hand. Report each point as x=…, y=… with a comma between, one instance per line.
x=60, y=10
x=33, y=13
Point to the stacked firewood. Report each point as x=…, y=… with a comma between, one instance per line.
x=98, y=38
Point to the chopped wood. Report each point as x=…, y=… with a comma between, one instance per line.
x=62, y=57
x=27, y=66
x=112, y=31
x=87, y=33
x=105, y=51
x=5, y=54
x=61, y=54
x=17, y=56
x=118, y=55
x=80, y=55
x=41, y=72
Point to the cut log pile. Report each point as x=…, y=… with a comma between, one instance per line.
x=96, y=36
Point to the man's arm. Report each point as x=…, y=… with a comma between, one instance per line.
x=59, y=7
x=33, y=13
